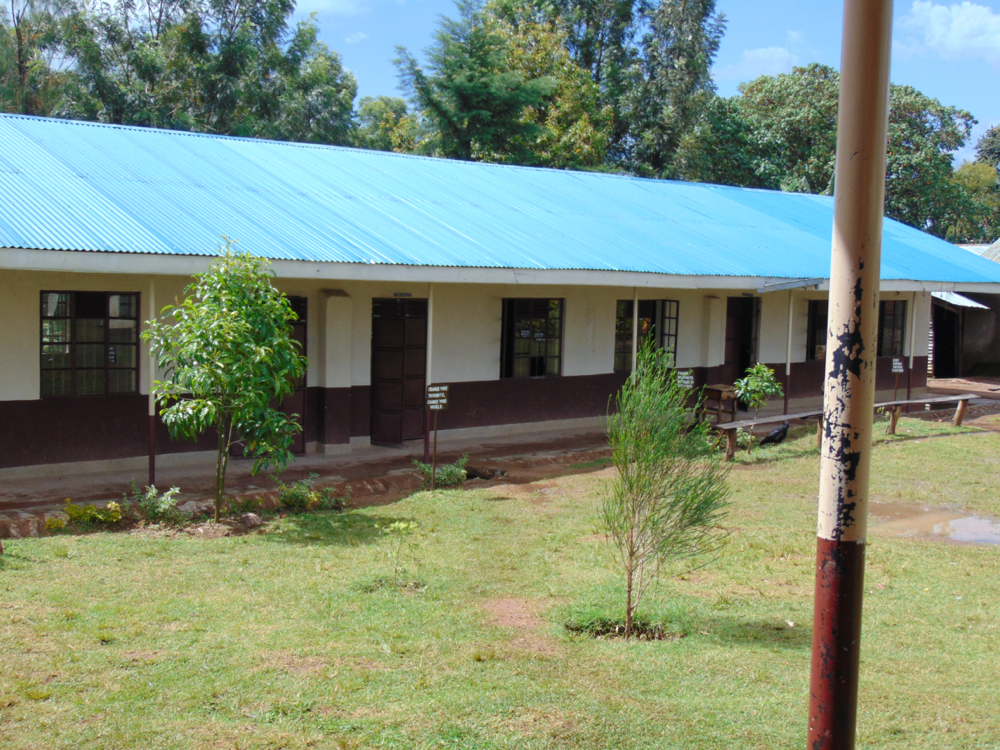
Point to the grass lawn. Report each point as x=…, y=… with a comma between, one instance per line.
x=281, y=640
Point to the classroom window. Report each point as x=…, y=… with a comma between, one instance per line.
x=891, y=328
x=89, y=343
x=816, y=336
x=531, y=338
x=657, y=318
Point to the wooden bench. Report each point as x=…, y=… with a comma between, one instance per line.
x=730, y=428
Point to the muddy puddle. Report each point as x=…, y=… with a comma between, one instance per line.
x=932, y=522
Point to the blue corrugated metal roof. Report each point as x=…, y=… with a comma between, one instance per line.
x=83, y=186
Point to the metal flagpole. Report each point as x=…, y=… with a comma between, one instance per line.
x=849, y=393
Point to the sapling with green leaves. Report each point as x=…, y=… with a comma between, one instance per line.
x=670, y=492
x=757, y=387
x=227, y=355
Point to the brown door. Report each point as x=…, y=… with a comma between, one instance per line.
x=741, y=336
x=399, y=358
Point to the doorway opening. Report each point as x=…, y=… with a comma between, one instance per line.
x=742, y=316
x=946, y=331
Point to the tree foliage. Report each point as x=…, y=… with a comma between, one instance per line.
x=673, y=83
x=988, y=147
x=31, y=79
x=471, y=99
x=232, y=67
x=670, y=491
x=227, y=356
x=781, y=131
x=383, y=123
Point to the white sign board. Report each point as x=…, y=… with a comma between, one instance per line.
x=898, y=365
x=685, y=379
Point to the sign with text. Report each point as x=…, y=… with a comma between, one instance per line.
x=685, y=379
x=898, y=365
x=437, y=397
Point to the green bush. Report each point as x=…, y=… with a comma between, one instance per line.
x=300, y=495
x=83, y=516
x=447, y=475
x=153, y=506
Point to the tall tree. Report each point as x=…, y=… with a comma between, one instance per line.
x=574, y=129
x=222, y=66
x=793, y=118
x=31, y=80
x=977, y=217
x=380, y=122
x=988, y=147
x=471, y=98
x=673, y=83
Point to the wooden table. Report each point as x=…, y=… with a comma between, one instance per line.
x=720, y=394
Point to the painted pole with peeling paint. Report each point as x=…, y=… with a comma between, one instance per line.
x=849, y=391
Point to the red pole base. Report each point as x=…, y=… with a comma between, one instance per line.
x=833, y=689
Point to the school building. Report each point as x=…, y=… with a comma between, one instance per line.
x=519, y=287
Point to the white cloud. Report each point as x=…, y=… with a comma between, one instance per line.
x=758, y=62
x=796, y=37
x=357, y=36
x=960, y=31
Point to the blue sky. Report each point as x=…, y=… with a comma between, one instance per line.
x=948, y=50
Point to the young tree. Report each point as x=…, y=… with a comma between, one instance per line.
x=757, y=387
x=228, y=356
x=670, y=491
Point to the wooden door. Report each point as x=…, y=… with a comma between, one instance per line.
x=399, y=358
x=741, y=337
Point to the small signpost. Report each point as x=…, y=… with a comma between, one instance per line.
x=437, y=401
x=685, y=379
x=898, y=368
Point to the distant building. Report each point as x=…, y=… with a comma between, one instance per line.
x=517, y=286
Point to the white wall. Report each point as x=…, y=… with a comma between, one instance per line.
x=467, y=324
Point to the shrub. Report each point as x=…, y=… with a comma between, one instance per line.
x=447, y=475
x=54, y=524
x=90, y=515
x=153, y=506
x=300, y=495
